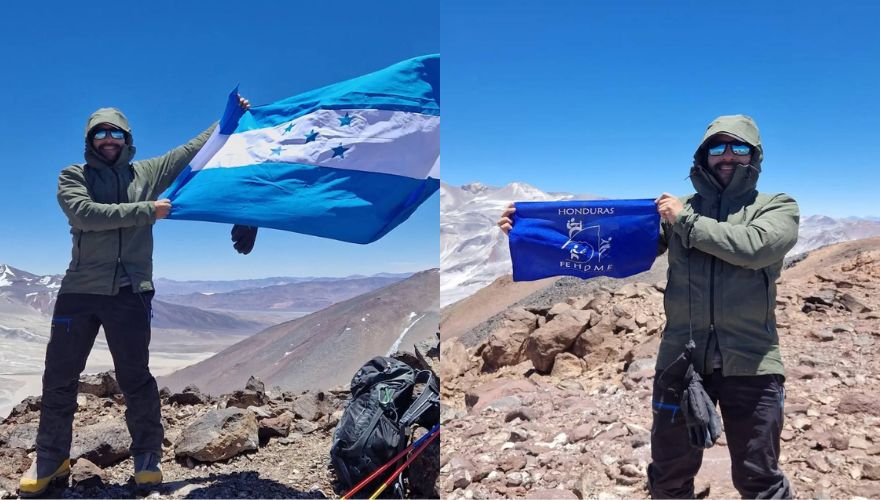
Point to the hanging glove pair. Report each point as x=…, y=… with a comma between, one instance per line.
x=682, y=387
x=703, y=424
x=243, y=238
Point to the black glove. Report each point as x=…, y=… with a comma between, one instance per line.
x=703, y=424
x=243, y=238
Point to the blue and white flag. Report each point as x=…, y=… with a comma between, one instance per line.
x=586, y=239
x=349, y=161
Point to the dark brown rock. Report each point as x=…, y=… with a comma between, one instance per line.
x=856, y=402
x=853, y=304
x=309, y=406
x=103, y=443
x=505, y=344
x=454, y=360
x=255, y=384
x=824, y=296
x=101, y=385
x=245, y=398
x=218, y=435
x=275, y=427
x=23, y=436
x=191, y=395
x=85, y=474
x=555, y=337
x=29, y=404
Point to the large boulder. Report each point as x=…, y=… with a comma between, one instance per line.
x=218, y=435
x=101, y=384
x=23, y=436
x=255, y=384
x=454, y=360
x=191, y=395
x=856, y=402
x=591, y=338
x=555, y=336
x=275, y=427
x=103, y=444
x=28, y=405
x=567, y=366
x=311, y=406
x=243, y=399
x=505, y=344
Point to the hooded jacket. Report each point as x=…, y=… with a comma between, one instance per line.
x=725, y=254
x=111, y=213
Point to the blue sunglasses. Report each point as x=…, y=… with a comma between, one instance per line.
x=738, y=148
x=102, y=134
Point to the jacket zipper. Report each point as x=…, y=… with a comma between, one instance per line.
x=711, y=302
x=118, y=231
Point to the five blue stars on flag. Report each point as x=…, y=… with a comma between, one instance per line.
x=312, y=137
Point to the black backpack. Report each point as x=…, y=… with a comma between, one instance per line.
x=375, y=425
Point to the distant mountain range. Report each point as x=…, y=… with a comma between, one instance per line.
x=175, y=287
x=819, y=230
x=474, y=251
x=38, y=292
x=302, y=296
x=325, y=348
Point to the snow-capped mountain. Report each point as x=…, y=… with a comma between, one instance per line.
x=38, y=292
x=819, y=230
x=474, y=251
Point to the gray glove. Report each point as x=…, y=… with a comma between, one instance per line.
x=703, y=424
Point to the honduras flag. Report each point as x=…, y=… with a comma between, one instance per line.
x=615, y=238
x=349, y=161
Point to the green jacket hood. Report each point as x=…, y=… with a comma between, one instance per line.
x=113, y=117
x=745, y=179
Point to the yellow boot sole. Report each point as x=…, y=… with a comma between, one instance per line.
x=148, y=478
x=28, y=487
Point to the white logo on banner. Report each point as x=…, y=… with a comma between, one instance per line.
x=585, y=244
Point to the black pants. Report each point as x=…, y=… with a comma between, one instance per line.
x=752, y=410
x=75, y=322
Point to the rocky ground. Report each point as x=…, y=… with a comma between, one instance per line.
x=252, y=443
x=546, y=407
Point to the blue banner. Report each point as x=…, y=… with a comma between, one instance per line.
x=616, y=238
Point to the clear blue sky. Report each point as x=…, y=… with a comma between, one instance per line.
x=612, y=98
x=169, y=66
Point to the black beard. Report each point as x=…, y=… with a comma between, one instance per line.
x=110, y=154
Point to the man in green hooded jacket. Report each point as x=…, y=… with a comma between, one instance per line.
x=111, y=204
x=726, y=246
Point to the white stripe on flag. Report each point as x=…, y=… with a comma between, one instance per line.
x=382, y=141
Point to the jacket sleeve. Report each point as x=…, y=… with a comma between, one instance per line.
x=85, y=214
x=164, y=169
x=765, y=240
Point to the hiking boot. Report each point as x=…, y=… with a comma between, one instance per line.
x=146, y=469
x=37, y=479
